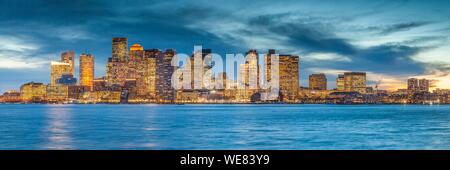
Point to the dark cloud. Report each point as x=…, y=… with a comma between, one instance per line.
x=401, y=27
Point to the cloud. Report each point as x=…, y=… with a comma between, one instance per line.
x=399, y=27
x=15, y=53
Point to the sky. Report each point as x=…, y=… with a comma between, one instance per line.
x=391, y=40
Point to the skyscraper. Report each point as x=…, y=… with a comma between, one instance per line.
x=355, y=82
x=418, y=85
x=340, y=83
x=87, y=70
x=289, y=77
x=69, y=57
x=150, y=74
x=57, y=69
x=318, y=82
x=120, y=49
x=165, y=93
x=117, y=67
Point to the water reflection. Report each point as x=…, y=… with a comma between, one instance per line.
x=58, y=128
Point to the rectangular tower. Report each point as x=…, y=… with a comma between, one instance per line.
x=87, y=71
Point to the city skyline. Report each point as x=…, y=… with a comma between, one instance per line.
x=370, y=39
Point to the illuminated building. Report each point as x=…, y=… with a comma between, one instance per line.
x=318, y=82
x=57, y=93
x=199, y=68
x=75, y=92
x=355, y=82
x=99, y=84
x=33, y=92
x=69, y=58
x=165, y=93
x=340, y=83
x=87, y=71
x=117, y=67
x=150, y=73
x=288, y=77
x=11, y=96
x=418, y=85
x=120, y=49
x=57, y=70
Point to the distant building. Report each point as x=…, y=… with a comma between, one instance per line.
x=57, y=70
x=289, y=77
x=117, y=66
x=340, y=83
x=318, y=82
x=87, y=71
x=120, y=49
x=11, y=96
x=150, y=72
x=165, y=93
x=355, y=82
x=57, y=93
x=418, y=85
x=69, y=58
x=33, y=92
x=67, y=79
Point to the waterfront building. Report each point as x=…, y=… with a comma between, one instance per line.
x=199, y=68
x=418, y=85
x=117, y=66
x=57, y=93
x=289, y=77
x=87, y=71
x=11, y=96
x=120, y=49
x=33, y=92
x=165, y=93
x=150, y=72
x=57, y=69
x=318, y=82
x=69, y=58
x=355, y=82
x=75, y=92
x=340, y=83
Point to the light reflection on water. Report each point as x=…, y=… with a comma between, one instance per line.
x=224, y=127
x=58, y=128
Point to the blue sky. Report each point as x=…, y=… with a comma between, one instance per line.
x=392, y=40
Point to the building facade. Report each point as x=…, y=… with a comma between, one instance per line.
x=33, y=92
x=57, y=70
x=355, y=82
x=87, y=71
x=318, y=82
x=165, y=93
x=69, y=58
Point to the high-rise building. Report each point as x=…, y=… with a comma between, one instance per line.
x=117, y=67
x=340, y=83
x=150, y=73
x=165, y=93
x=120, y=49
x=199, y=68
x=355, y=82
x=69, y=57
x=252, y=71
x=289, y=77
x=87, y=71
x=318, y=82
x=57, y=70
x=418, y=85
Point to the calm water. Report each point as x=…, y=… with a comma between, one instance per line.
x=224, y=127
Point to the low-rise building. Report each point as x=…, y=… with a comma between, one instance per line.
x=33, y=92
